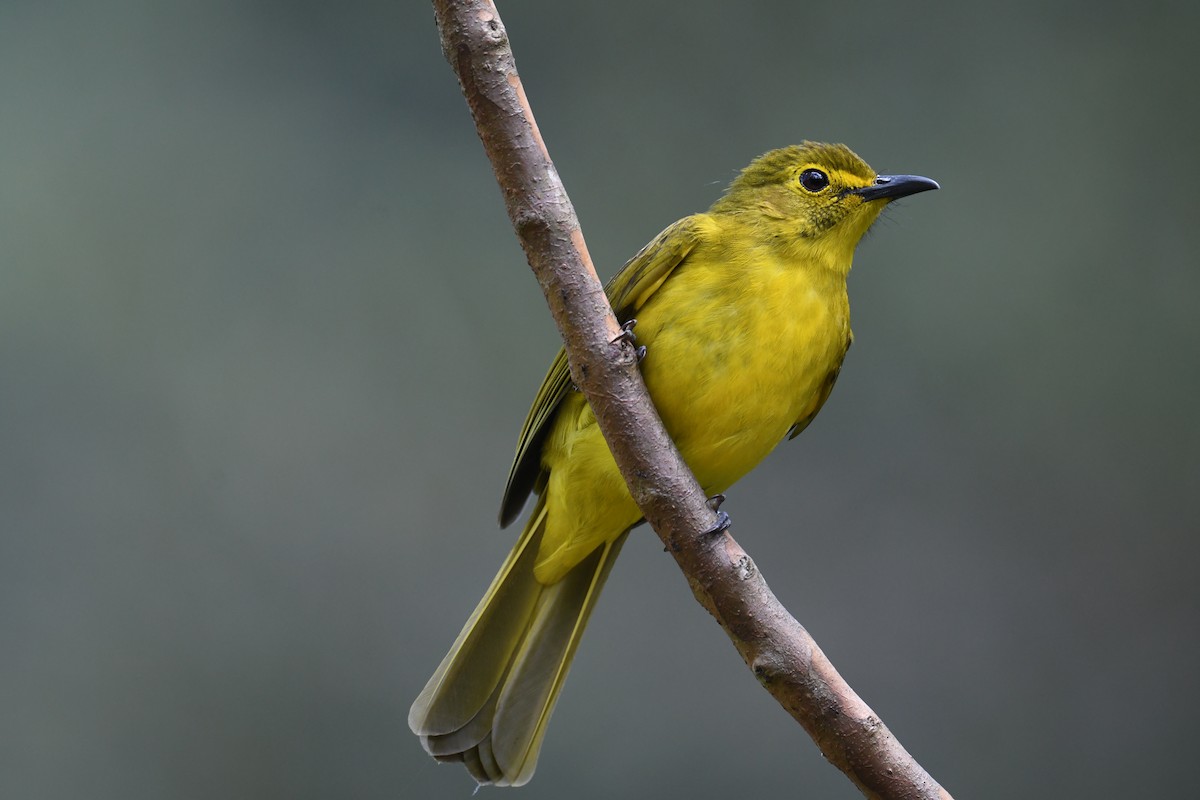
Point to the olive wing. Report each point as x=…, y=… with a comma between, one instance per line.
x=627, y=292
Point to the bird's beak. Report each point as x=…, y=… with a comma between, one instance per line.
x=890, y=187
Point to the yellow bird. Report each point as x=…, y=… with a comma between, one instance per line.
x=744, y=313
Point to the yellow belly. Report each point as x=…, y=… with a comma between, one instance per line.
x=734, y=360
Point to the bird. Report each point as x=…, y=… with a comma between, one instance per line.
x=745, y=318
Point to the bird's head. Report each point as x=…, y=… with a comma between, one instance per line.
x=818, y=197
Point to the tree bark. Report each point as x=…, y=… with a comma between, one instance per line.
x=723, y=577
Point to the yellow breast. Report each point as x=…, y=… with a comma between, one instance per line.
x=738, y=354
x=741, y=345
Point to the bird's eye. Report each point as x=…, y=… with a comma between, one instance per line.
x=814, y=180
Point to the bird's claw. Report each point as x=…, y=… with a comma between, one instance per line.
x=720, y=526
x=627, y=335
x=723, y=521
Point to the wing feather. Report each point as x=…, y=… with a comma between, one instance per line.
x=627, y=292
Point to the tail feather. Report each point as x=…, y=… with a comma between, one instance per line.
x=469, y=735
x=479, y=657
x=489, y=701
x=540, y=666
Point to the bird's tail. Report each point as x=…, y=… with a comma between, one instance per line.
x=488, y=703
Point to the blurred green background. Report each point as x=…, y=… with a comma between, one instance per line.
x=266, y=340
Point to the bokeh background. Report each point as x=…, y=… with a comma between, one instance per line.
x=266, y=340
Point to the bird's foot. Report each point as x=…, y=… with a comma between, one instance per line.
x=627, y=335
x=723, y=521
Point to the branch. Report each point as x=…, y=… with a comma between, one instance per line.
x=724, y=579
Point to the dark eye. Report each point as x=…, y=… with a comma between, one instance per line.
x=814, y=180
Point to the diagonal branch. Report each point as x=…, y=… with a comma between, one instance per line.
x=724, y=579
